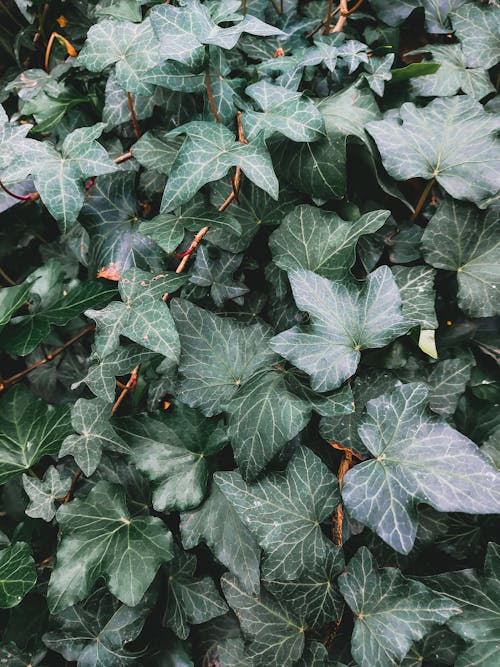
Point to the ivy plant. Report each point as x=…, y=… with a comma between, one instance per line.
x=249, y=300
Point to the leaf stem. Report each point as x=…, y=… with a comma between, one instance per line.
x=68, y=497
x=422, y=199
x=70, y=49
x=328, y=19
x=123, y=158
x=135, y=124
x=44, y=360
x=7, y=278
x=132, y=381
x=18, y=197
x=210, y=95
x=236, y=181
x=194, y=244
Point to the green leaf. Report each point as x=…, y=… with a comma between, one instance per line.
x=378, y=72
x=417, y=459
x=284, y=512
x=478, y=599
x=263, y=416
x=391, y=611
x=132, y=46
x=218, y=275
x=283, y=111
x=436, y=13
x=90, y=419
x=43, y=493
x=59, y=177
x=29, y=429
x=172, y=452
x=447, y=382
x=17, y=574
x=218, y=355
x=315, y=597
x=100, y=539
x=413, y=70
x=95, y=634
x=477, y=28
x=416, y=287
x=217, y=524
x=11, y=299
x=452, y=140
x=310, y=238
x=141, y=316
x=190, y=599
x=275, y=634
x=328, y=346
x=460, y=238
x=206, y=155
x=453, y=75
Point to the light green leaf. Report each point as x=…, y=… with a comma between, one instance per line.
x=283, y=111
x=453, y=74
x=218, y=355
x=90, y=419
x=100, y=539
x=416, y=287
x=142, y=316
x=391, y=611
x=284, y=512
x=263, y=416
x=478, y=29
x=417, y=459
x=328, y=346
x=190, y=600
x=378, y=71
x=17, y=574
x=460, y=238
x=315, y=597
x=11, y=298
x=310, y=238
x=132, y=46
x=29, y=429
x=43, y=493
x=206, y=155
x=171, y=452
x=452, y=140
x=217, y=524
x=276, y=636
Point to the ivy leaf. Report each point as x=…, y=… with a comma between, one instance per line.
x=263, y=416
x=17, y=574
x=90, y=419
x=101, y=377
x=25, y=332
x=447, y=381
x=190, y=599
x=94, y=634
x=11, y=299
x=478, y=599
x=378, y=71
x=477, y=29
x=141, y=316
x=453, y=74
x=328, y=346
x=417, y=459
x=100, y=539
x=452, y=140
x=206, y=155
x=276, y=635
x=416, y=287
x=283, y=111
x=29, y=429
x=436, y=13
x=460, y=238
x=218, y=275
x=218, y=355
x=172, y=452
x=43, y=493
x=59, y=177
x=315, y=597
x=110, y=216
x=217, y=524
x=391, y=611
x=132, y=46
x=353, y=53
x=310, y=238
x=284, y=512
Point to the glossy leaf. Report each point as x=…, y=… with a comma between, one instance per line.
x=43, y=493
x=17, y=574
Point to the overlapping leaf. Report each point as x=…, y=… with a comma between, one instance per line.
x=17, y=574
x=43, y=493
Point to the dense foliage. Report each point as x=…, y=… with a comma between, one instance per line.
x=250, y=265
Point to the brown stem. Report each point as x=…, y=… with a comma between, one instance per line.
x=19, y=197
x=344, y=9
x=44, y=562
x=135, y=124
x=123, y=158
x=132, y=381
x=191, y=249
x=14, y=378
x=70, y=49
x=328, y=19
x=210, y=95
x=68, y=497
x=422, y=199
x=354, y=7
x=7, y=278
x=236, y=181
